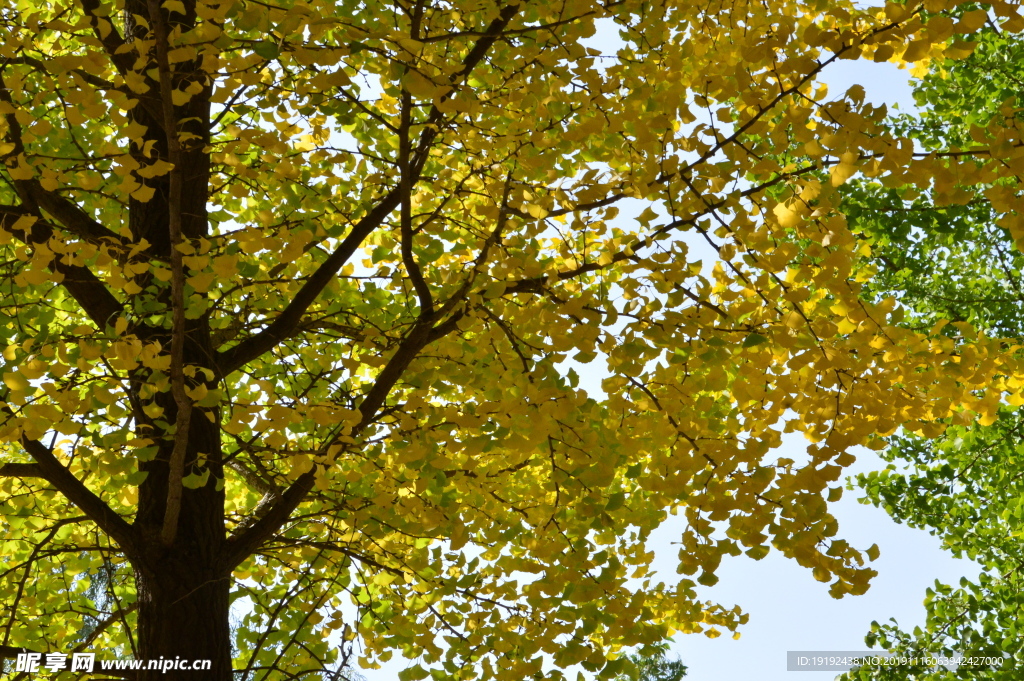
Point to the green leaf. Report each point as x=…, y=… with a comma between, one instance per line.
x=413, y=674
x=196, y=480
x=753, y=340
x=266, y=49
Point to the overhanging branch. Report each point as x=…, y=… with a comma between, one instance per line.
x=73, y=218
x=89, y=292
x=286, y=323
x=271, y=518
x=21, y=470
x=75, y=491
x=83, y=286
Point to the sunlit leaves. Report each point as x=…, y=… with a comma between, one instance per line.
x=950, y=252
x=400, y=346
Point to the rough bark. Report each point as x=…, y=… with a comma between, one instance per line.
x=183, y=613
x=183, y=587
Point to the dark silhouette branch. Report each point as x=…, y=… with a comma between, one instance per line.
x=75, y=491
x=412, y=267
x=74, y=219
x=21, y=470
x=288, y=321
x=274, y=510
x=82, y=284
x=88, y=291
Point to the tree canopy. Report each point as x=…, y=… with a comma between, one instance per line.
x=956, y=264
x=656, y=666
x=290, y=289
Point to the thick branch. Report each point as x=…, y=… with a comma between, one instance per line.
x=406, y=180
x=83, y=286
x=21, y=470
x=88, y=291
x=252, y=535
x=78, y=494
x=268, y=520
x=74, y=219
x=288, y=321
x=252, y=478
x=262, y=508
x=432, y=127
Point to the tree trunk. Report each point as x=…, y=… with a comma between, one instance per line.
x=183, y=615
x=183, y=588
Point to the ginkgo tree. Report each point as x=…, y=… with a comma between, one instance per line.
x=955, y=263
x=289, y=288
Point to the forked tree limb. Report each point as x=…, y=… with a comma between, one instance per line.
x=75, y=491
x=87, y=290
x=288, y=321
x=254, y=532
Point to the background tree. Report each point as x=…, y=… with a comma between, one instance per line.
x=957, y=264
x=654, y=666
x=289, y=289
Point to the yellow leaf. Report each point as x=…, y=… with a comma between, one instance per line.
x=201, y=282
x=917, y=50
x=16, y=381
x=844, y=170
x=418, y=86
x=961, y=49
x=300, y=463
x=143, y=194
x=788, y=216
x=136, y=82
x=225, y=266
x=197, y=393
x=410, y=45
x=814, y=148
x=155, y=169
x=988, y=418
x=22, y=171
x=971, y=21
x=537, y=212
x=33, y=369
